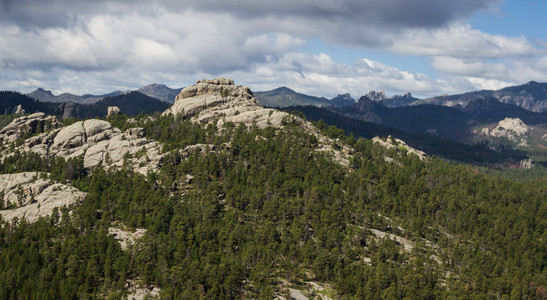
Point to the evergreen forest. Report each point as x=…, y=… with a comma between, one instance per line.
x=259, y=211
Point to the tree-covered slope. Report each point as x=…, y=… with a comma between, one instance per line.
x=254, y=213
x=432, y=145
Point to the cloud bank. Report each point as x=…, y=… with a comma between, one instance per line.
x=93, y=47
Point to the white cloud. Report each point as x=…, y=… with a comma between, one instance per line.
x=505, y=72
x=460, y=40
x=94, y=47
x=488, y=84
x=321, y=75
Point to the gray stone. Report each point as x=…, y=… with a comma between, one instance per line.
x=19, y=126
x=526, y=164
x=220, y=99
x=94, y=140
x=113, y=110
x=513, y=129
x=32, y=197
x=397, y=144
x=19, y=110
x=126, y=238
x=70, y=137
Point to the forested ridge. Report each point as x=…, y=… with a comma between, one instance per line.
x=263, y=210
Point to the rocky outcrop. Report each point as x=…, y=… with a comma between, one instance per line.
x=376, y=95
x=19, y=110
x=27, y=195
x=393, y=101
x=137, y=292
x=222, y=100
x=94, y=140
x=217, y=100
x=526, y=164
x=511, y=128
x=399, y=145
x=25, y=125
x=113, y=110
x=126, y=238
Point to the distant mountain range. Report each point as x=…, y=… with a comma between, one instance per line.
x=284, y=97
x=531, y=96
x=47, y=96
x=158, y=91
x=130, y=103
x=459, y=118
x=393, y=101
x=451, y=122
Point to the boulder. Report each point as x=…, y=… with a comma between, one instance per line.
x=70, y=137
x=19, y=110
x=526, y=164
x=113, y=110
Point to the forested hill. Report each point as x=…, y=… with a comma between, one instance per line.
x=477, y=154
x=229, y=209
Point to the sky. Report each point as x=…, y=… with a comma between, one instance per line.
x=316, y=47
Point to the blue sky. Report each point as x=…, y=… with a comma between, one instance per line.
x=525, y=17
x=317, y=47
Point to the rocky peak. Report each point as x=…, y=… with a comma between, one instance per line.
x=365, y=105
x=376, y=95
x=43, y=91
x=342, y=100
x=160, y=91
x=222, y=100
x=222, y=87
x=346, y=97
x=41, y=95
